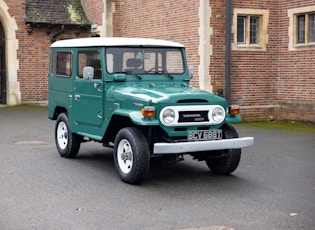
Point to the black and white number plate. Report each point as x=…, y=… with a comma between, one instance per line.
x=204, y=135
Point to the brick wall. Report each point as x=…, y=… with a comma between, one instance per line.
x=275, y=83
x=171, y=20
x=218, y=40
x=33, y=52
x=94, y=10
x=254, y=73
x=296, y=71
x=33, y=56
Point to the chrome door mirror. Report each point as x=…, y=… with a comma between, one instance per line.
x=88, y=72
x=191, y=72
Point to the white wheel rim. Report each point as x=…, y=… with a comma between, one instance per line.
x=124, y=156
x=62, y=135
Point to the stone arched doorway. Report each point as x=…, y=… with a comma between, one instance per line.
x=10, y=87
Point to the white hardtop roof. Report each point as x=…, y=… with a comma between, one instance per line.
x=114, y=41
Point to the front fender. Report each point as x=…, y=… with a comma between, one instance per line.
x=233, y=119
x=136, y=117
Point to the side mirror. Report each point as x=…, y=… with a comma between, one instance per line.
x=191, y=72
x=88, y=72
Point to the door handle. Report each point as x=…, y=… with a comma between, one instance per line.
x=77, y=97
x=98, y=86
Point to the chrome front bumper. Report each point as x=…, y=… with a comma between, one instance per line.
x=198, y=146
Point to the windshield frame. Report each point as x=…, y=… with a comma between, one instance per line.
x=143, y=60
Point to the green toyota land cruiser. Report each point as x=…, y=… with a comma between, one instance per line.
x=133, y=95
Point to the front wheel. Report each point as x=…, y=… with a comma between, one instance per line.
x=68, y=143
x=225, y=161
x=131, y=155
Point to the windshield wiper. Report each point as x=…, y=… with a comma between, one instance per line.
x=167, y=74
x=136, y=75
x=170, y=76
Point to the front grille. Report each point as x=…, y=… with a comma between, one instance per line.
x=192, y=116
x=192, y=101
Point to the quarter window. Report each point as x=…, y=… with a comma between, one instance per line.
x=62, y=63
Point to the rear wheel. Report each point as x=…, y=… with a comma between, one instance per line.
x=225, y=161
x=131, y=155
x=68, y=143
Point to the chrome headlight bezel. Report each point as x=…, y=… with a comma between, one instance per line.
x=168, y=116
x=218, y=114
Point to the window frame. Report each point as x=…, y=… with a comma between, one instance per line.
x=259, y=35
x=301, y=35
x=306, y=29
x=98, y=74
x=123, y=53
x=54, y=66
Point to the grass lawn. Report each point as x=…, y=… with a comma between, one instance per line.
x=294, y=126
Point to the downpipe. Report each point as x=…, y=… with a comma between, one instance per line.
x=62, y=29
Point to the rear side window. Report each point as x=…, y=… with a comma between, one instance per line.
x=62, y=63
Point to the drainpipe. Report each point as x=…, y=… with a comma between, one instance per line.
x=228, y=52
x=62, y=29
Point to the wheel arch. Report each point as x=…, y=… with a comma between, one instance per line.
x=118, y=122
x=58, y=110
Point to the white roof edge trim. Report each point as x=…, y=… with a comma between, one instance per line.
x=114, y=41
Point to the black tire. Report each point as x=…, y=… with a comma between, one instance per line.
x=68, y=143
x=226, y=161
x=131, y=155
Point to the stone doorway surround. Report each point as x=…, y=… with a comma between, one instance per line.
x=12, y=63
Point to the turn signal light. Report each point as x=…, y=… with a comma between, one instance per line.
x=148, y=111
x=234, y=109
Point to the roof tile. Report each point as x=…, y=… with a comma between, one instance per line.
x=67, y=12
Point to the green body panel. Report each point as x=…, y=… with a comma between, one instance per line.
x=88, y=103
x=132, y=97
x=162, y=92
x=233, y=119
x=136, y=117
x=59, y=96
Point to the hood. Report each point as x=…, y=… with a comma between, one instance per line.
x=163, y=93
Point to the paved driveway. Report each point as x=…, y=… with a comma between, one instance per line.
x=273, y=188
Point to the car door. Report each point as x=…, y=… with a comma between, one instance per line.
x=88, y=93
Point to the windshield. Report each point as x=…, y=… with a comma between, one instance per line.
x=144, y=60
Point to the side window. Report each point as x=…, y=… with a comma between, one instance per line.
x=62, y=63
x=90, y=58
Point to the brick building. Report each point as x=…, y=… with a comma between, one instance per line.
x=267, y=66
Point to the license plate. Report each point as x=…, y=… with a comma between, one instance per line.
x=197, y=135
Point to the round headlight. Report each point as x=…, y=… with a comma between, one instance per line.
x=218, y=114
x=168, y=116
